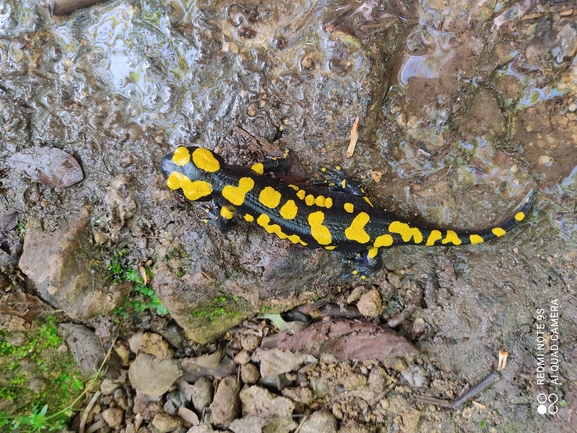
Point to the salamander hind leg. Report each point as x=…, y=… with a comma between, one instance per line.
x=274, y=164
x=364, y=263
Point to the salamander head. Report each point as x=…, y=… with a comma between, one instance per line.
x=188, y=169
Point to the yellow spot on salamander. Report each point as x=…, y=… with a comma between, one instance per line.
x=226, y=213
x=520, y=216
x=181, y=156
x=330, y=247
x=301, y=194
x=191, y=190
x=235, y=194
x=349, y=207
x=385, y=240
x=451, y=237
x=264, y=220
x=296, y=188
x=372, y=253
x=295, y=239
x=328, y=202
x=320, y=201
x=258, y=168
x=498, y=231
x=289, y=210
x=248, y=217
x=310, y=200
x=270, y=197
x=319, y=232
x=205, y=160
x=475, y=239
x=368, y=201
x=406, y=231
x=435, y=236
x=356, y=231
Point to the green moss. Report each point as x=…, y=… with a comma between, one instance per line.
x=215, y=316
x=142, y=297
x=39, y=385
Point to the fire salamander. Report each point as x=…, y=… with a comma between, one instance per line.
x=337, y=216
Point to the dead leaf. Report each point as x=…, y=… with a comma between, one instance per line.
x=354, y=138
x=347, y=339
x=50, y=166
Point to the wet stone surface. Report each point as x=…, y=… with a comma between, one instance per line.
x=463, y=107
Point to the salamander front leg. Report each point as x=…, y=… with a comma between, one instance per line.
x=365, y=263
x=274, y=164
x=336, y=179
x=219, y=216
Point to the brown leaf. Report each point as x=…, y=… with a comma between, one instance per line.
x=346, y=339
x=50, y=166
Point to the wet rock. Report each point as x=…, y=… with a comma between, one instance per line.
x=134, y=342
x=165, y=423
x=200, y=394
x=566, y=46
x=226, y=405
x=250, y=341
x=188, y=416
x=214, y=364
x=153, y=376
x=66, y=272
x=276, y=361
x=174, y=401
x=50, y=166
x=249, y=374
x=242, y=357
x=155, y=345
x=260, y=402
x=84, y=345
x=113, y=416
x=108, y=386
x=370, y=304
x=321, y=421
x=121, y=204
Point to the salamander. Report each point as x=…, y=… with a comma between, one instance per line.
x=335, y=214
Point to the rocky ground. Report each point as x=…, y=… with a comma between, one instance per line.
x=460, y=109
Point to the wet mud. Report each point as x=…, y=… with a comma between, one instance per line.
x=463, y=106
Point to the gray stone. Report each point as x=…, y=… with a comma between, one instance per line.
x=249, y=374
x=261, y=402
x=249, y=424
x=108, y=386
x=85, y=346
x=200, y=394
x=113, y=416
x=166, y=423
x=321, y=421
x=67, y=272
x=188, y=416
x=370, y=304
x=204, y=428
x=153, y=376
x=226, y=405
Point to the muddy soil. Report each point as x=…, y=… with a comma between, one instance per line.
x=463, y=108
